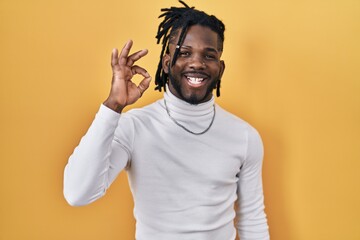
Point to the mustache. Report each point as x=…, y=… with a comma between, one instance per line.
x=197, y=73
x=200, y=73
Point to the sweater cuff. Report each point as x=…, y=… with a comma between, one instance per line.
x=108, y=116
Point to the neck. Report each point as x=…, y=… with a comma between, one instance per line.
x=171, y=92
x=196, y=118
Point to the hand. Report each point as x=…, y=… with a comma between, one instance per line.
x=123, y=91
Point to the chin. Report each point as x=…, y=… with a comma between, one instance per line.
x=193, y=96
x=196, y=98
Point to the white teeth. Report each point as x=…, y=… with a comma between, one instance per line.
x=195, y=80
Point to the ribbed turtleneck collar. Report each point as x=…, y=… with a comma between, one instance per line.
x=194, y=117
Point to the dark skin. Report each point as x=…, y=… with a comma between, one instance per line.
x=123, y=91
x=199, y=58
x=194, y=75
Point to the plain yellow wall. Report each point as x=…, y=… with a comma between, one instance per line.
x=293, y=71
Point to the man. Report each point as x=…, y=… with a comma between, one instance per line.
x=187, y=159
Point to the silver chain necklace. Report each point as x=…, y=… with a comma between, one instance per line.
x=183, y=127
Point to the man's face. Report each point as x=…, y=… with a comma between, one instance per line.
x=198, y=66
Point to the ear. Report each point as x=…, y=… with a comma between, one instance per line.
x=166, y=63
x=222, y=68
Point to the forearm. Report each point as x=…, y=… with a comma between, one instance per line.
x=87, y=174
x=100, y=157
x=252, y=221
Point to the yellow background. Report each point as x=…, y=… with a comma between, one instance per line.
x=293, y=72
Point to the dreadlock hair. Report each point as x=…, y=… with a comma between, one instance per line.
x=181, y=18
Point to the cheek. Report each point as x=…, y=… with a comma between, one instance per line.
x=176, y=70
x=216, y=71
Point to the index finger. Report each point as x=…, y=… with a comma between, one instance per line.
x=125, y=52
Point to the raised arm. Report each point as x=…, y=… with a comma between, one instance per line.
x=98, y=159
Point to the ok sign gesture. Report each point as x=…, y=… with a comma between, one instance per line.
x=123, y=91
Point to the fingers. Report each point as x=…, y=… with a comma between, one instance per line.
x=136, y=56
x=139, y=70
x=124, y=58
x=145, y=83
x=114, y=57
x=125, y=52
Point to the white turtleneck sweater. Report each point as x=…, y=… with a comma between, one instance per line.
x=184, y=186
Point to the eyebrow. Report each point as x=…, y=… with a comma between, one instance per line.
x=209, y=49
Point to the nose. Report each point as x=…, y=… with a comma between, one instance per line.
x=197, y=62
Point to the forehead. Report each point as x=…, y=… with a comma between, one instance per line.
x=199, y=37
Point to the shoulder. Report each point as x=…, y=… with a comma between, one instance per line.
x=147, y=111
x=236, y=126
x=231, y=121
x=136, y=121
x=145, y=117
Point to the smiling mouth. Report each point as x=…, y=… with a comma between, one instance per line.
x=195, y=80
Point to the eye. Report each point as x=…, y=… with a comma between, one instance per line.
x=210, y=56
x=184, y=54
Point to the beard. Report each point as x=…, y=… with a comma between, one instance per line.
x=194, y=98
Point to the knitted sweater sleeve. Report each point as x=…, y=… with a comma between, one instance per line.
x=252, y=222
x=96, y=161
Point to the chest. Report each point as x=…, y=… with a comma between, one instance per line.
x=174, y=156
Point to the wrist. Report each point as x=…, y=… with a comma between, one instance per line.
x=113, y=105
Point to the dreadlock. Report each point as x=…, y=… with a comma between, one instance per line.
x=181, y=18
